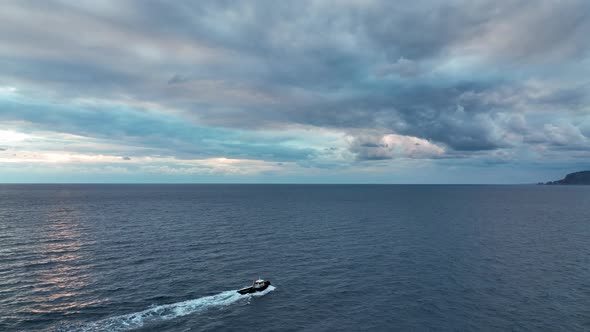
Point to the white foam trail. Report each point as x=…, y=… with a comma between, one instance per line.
x=168, y=311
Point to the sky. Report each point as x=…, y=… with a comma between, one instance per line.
x=349, y=91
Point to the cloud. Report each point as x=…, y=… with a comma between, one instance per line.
x=211, y=79
x=545, y=31
x=161, y=165
x=163, y=133
x=402, y=67
x=563, y=136
x=391, y=146
x=178, y=79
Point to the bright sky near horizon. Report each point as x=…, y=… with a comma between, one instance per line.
x=294, y=91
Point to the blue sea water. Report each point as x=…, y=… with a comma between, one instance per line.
x=340, y=257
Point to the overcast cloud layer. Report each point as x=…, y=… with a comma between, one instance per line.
x=294, y=91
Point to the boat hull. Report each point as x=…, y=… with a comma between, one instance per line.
x=251, y=289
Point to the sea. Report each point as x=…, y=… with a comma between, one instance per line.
x=339, y=257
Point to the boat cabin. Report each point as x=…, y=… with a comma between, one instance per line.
x=258, y=283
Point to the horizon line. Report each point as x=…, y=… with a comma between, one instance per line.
x=260, y=183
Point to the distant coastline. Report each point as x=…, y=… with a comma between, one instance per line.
x=577, y=178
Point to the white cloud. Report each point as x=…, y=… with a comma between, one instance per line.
x=10, y=136
x=149, y=164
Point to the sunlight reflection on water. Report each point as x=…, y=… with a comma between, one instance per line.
x=61, y=278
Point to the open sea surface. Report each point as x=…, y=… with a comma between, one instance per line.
x=340, y=257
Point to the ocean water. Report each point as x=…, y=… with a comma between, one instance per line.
x=340, y=258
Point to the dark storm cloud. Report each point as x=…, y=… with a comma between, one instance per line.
x=468, y=75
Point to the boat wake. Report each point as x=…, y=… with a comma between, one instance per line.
x=166, y=312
